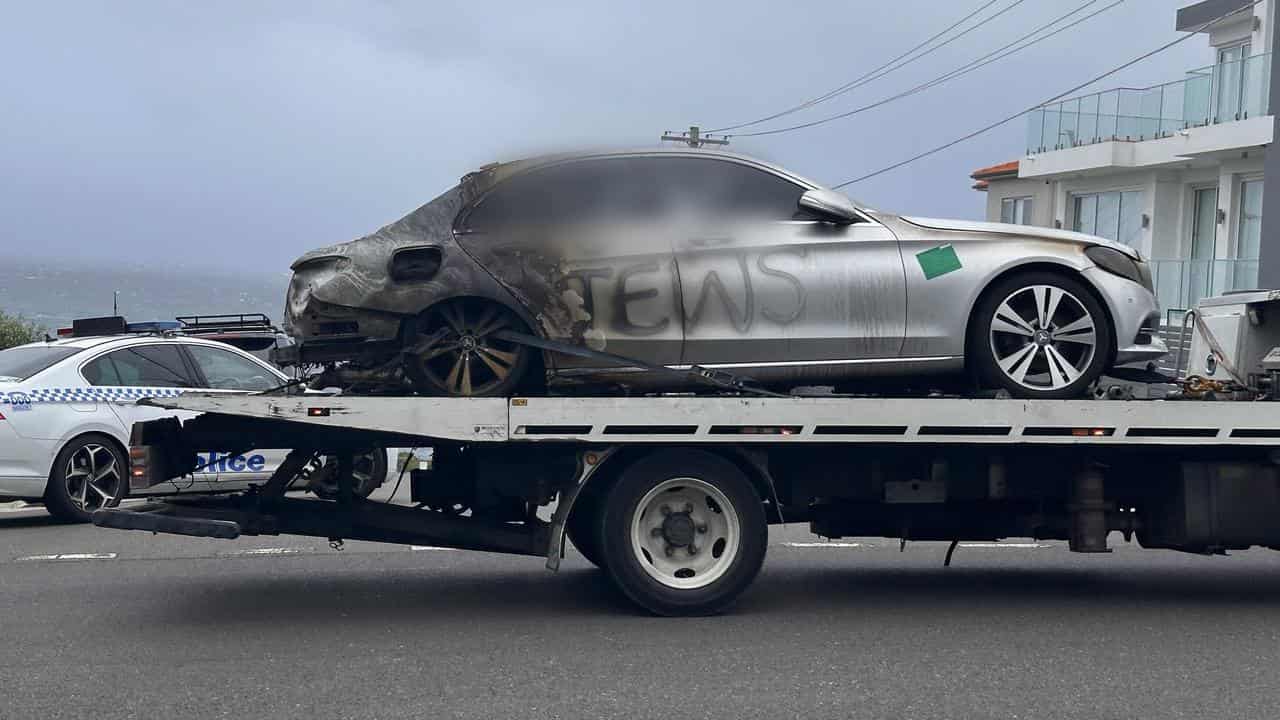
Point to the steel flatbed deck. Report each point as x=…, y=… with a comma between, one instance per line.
x=693, y=419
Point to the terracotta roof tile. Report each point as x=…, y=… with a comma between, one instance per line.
x=1008, y=169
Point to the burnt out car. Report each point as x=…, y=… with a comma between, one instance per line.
x=692, y=257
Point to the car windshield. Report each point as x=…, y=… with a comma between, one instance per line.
x=21, y=363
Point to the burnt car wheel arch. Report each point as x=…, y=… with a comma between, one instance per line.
x=976, y=334
x=527, y=372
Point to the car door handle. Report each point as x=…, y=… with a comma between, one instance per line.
x=712, y=241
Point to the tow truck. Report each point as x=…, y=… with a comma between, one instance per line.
x=672, y=496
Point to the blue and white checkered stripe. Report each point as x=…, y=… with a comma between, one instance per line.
x=85, y=394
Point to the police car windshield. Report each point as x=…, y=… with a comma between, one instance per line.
x=21, y=363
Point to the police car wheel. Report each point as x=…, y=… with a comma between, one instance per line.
x=90, y=473
x=368, y=472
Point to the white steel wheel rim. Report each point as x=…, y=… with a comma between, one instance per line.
x=92, y=477
x=685, y=509
x=1043, y=337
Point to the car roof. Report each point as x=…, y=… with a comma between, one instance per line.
x=498, y=171
x=100, y=341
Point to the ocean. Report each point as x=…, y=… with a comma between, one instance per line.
x=53, y=293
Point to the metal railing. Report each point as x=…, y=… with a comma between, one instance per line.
x=1181, y=283
x=1215, y=94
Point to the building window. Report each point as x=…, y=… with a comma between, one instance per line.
x=1112, y=215
x=1016, y=211
x=1249, y=235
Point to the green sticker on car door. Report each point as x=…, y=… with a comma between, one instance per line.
x=938, y=261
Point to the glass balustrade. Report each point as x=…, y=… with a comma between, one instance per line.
x=1216, y=94
x=1180, y=284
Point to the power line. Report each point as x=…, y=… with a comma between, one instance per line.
x=976, y=64
x=868, y=77
x=1059, y=96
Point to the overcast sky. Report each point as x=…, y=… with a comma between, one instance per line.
x=239, y=135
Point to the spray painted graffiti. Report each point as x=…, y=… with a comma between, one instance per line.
x=626, y=285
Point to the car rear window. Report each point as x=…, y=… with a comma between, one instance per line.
x=21, y=363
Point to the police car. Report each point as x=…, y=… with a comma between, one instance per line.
x=67, y=406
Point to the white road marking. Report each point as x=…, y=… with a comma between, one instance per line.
x=18, y=506
x=270, y=551
x=69, y=556
x=825, y=544
x=431, y=547
x=1024, y=546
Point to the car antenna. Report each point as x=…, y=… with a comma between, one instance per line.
x=694, y=137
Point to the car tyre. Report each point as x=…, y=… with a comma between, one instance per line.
x=683, y=533
x=452, y=350
x=90, y=473
x=368, y=472
x=1040, y=335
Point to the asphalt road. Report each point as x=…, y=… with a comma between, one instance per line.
x=114, y=624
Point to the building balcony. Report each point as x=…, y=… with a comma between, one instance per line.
x=1181, y=283
x=1223, y=93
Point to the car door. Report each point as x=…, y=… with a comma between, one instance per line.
x=766, y=284
x=581, y=244
x=141, y=370
x=220, y=369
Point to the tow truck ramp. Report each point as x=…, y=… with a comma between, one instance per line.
x=672, y=495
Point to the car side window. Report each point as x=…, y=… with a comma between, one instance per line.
x=726, y=188
x=589, y=190
x=225, y=370
x=140, y=366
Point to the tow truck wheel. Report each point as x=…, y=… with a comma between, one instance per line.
x=583, y=528
x=684, y=533
x=90, y=473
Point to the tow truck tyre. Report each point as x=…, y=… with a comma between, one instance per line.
x=89, y=473
x=583, y=528
x=684, y=533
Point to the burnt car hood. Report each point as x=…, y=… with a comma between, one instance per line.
x=355, y=274
x=1029, y=231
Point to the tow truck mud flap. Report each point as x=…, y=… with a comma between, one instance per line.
x=173, y=525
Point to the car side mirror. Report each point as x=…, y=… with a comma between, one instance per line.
x=829, y=206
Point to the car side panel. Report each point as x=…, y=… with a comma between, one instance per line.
x=24, y=463
x=792, y=292
x=939, y=303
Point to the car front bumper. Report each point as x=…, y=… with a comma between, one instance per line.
x=1136, y=315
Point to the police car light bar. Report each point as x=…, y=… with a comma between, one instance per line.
x=114, y=325
x=152, y=326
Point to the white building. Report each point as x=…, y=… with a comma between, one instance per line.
x=1174, y=170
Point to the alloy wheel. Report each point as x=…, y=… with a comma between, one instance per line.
x=456, y=351
x=93, y=478
x=1043, y=337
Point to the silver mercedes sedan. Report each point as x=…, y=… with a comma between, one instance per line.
x=690, y=257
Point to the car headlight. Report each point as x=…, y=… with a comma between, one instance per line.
x=415, y=264
x=1117, y=263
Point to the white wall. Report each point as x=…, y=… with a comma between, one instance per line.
x=1040, y=192
x=1168, y=200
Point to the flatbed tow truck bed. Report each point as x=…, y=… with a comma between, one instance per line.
x=672, y=495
